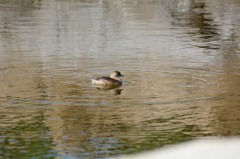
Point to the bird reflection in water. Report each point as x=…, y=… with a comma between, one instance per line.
x=114, y=90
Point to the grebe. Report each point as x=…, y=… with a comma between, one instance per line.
x=112, y=81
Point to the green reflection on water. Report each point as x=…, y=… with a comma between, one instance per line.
x=26, y=139
x=160, y=139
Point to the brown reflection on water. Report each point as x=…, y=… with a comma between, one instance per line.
x=199, y=15
x=229, y=81
x=181, y=68
x=196, y=16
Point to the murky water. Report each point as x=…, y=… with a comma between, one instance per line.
x=180, y=58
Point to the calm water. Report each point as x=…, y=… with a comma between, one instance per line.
x=180, y=58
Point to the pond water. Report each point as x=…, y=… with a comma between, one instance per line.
x=180, y=59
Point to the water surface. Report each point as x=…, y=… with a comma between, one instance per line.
x=181, y=61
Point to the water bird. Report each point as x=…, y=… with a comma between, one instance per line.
x=109, y=82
